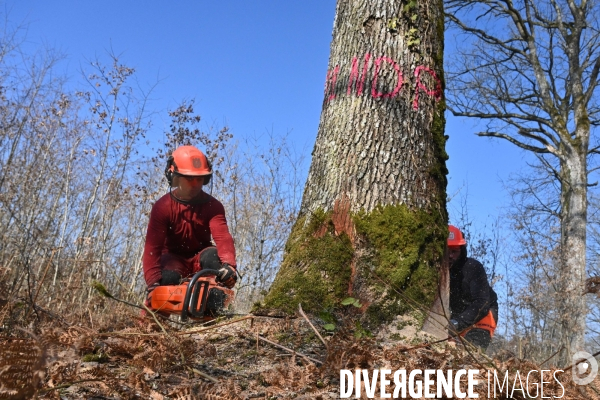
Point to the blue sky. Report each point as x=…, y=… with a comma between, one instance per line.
x=255, y=66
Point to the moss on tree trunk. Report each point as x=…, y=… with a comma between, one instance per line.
x=317, y=267
x=398, y=255
x=407, y=247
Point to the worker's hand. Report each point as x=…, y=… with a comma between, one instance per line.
x=147, y=302
x=227, y=275
x=150, y=288
x=453, y=329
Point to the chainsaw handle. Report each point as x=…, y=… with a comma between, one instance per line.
x=192, y=293
x=202, y=273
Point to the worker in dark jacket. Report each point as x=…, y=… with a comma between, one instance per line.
x=473, y=303
x=187, y=231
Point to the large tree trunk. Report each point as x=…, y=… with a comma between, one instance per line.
x=573, y=308
x=373, y=220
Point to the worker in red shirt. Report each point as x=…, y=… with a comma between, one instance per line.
x=187, y=231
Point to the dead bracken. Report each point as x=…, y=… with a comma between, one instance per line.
x=256, y=357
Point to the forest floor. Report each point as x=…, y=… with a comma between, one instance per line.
x=126, y=357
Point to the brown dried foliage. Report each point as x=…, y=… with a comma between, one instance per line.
x=21, y=367
x=143, y=362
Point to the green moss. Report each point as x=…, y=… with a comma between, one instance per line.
x=92, y=357
x=407, y=245
x=438, y=56
x=439, y=170
x=316, y=268
x=438, y=126
x=397, y=337
x=403, y=247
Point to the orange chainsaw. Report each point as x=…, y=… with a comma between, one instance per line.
x=202, y=298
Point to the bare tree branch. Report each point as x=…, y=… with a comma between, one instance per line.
x=514, y=141
x=530, y=70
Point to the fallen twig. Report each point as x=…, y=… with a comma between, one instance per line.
x=69, y=384
x=289, y=350
x=117, y=333
x=549, y=358
x=214, y=326
x=574, y=364
x=101, y=289
x=422, y=345
x=164, y=330
x=153, y=314
x=205, y=376
x=311, y=325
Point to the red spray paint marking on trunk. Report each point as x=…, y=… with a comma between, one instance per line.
x=357, y=81
x=354, y=75
x=374, y=91
x=330, y=82
x=437, y=92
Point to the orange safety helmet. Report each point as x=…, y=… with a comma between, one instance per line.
x=188, y=161
x=455, y=238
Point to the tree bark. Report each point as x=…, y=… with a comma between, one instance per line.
x=373, y=219
x=573, y=309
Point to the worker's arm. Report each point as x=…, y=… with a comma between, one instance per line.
x=220, y=234
x=158, y=226
x=225, y=245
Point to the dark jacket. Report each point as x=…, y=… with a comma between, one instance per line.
x=471, y=297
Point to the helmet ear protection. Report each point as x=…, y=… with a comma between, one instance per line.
x=207, y=178
x=171, y=169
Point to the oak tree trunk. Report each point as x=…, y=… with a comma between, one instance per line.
x=572, y=274
x=373, y=219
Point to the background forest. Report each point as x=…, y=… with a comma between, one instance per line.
x=78, y=179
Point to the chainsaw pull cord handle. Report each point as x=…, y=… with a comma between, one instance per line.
x=194, y=289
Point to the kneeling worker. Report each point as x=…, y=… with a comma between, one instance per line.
x=473, y=303
x=184, y=222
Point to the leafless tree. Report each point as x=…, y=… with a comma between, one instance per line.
x=529, y=70
x=70, y=197
x=533, y=284
x=78, y=177
x=260, y=185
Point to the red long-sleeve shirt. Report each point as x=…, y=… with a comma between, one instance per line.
x=185, y=230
